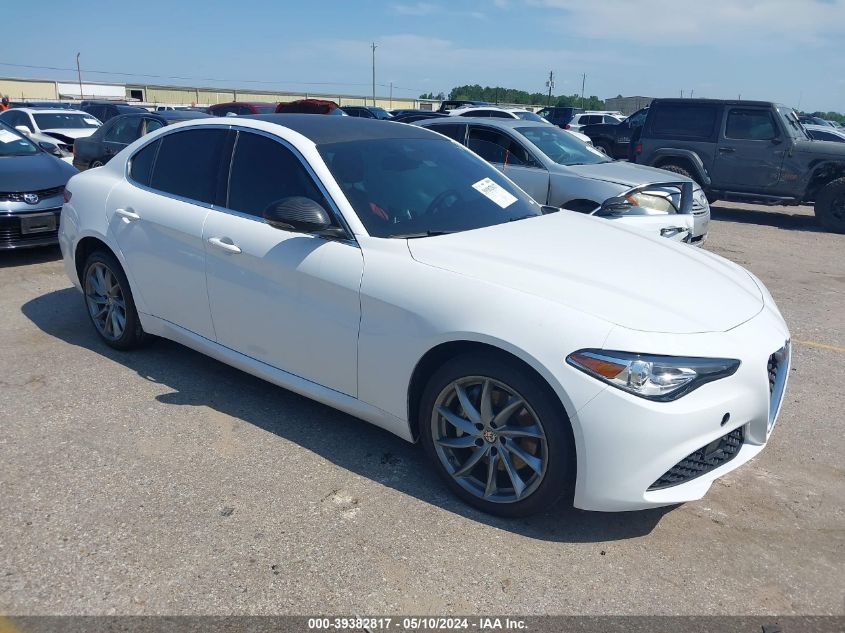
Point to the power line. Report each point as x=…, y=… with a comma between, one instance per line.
x=184, y=78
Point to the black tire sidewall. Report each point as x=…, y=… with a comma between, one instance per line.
x=559, y=478
x=823, y=206
x=133, y=334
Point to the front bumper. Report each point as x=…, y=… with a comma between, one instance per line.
x=27, y=226
x=634, y=453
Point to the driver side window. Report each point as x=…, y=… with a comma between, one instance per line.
x=264, y=171
x=497, y=147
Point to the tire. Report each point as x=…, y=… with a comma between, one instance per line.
x=605, y=147
x=96, y=163
x=830, y=206
x=492, y=455
x=677, y=169
x=109, y=303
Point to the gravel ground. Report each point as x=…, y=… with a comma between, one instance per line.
x=163, y=482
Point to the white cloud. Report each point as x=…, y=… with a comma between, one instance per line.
x=656, y=22
x=418, y=8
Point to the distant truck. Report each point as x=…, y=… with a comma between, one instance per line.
x=747, y=151
x=614, y=139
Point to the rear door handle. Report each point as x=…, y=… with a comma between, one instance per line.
x=727, y=150
x=127, y=214
x=227, y=246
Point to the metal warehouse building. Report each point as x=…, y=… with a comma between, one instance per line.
x=149, y=94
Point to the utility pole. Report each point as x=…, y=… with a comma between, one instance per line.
x=374, y=73
x=551, y=84
x=583, y=81
x=79, y=74
x=691, y=92
x=391, y=95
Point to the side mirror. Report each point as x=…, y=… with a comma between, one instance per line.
x=23, y=130
x=301, y=215
x=50, y=148
x=614, y=206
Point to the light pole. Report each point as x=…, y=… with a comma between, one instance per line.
x=374, y=73
x=551, y=84
x=79, y=75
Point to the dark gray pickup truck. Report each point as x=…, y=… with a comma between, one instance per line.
x=748, y=151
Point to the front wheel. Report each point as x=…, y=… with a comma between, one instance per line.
x=497, y=436
x=108, y=298
x=830, y=206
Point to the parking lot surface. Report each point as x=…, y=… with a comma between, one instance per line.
x=161, y=481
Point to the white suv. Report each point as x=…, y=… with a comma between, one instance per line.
x=591, y=118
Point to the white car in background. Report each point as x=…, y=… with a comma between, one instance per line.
x=498, y=112
x=825, y=133
x=532, y=352
x=59, y=126
x=593, y=118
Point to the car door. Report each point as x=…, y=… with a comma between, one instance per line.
x=156, y=216
x=512, y=158
x=287, y=299
x=124, y=131
x=750, y=151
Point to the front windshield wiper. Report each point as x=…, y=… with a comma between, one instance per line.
x=413, y=236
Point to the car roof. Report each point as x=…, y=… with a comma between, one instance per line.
x=323, y=130
x=676, y=101
x=492, y=121
x=49, y=110
x=228, y=103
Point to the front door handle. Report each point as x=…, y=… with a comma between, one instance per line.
x=228, y=246
x=727, y=150
x=127, y=214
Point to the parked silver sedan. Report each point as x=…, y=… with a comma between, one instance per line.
x=558, y=170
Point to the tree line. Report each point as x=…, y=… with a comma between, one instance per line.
x=497, y=94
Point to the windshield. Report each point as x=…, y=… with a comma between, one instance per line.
x=529, y=116
x=419, y=187
x=14, y=144
x=562, y=147
x=791, y=123
x=380, y=113
x=60, y=120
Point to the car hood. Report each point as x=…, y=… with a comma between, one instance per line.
x=624, y=173
x=597, y=267
x=33, y=173
x=69, y=133
x=830, y=149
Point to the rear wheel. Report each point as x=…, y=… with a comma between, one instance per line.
x=605, y=147
x=97, y=163
x=830, y=206
x=677, y=169
x=108, y=298
x=497, y=435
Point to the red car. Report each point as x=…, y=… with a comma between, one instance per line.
x=242, y=107
x=310, y=106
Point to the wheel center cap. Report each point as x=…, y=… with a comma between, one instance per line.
x=489, y=436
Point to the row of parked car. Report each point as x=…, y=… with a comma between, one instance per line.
x=704, y=150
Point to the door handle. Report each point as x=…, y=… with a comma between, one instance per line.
x=229, y=247
x=727, y=150
x=127, y=214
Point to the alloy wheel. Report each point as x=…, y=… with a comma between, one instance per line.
x=489, y=439
x=105, y=301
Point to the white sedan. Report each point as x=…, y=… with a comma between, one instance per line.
x=58, y=126
x=392, y=274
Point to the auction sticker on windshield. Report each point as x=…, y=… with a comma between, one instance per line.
x=494, y=192
x=8, y=137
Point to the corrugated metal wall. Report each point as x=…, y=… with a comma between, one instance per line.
x=17, y=89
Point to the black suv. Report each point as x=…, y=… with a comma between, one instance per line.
x=748, y=151
x=614, y=139
x=559, y=115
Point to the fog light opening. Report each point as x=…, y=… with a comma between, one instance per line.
x=725, y=419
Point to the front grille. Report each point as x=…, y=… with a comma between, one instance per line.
x=702, y=461
x=10, y=230
x=42, y=194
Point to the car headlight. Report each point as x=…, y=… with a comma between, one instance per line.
x=660, y=378
x=647, y=203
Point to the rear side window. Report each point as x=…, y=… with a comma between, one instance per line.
x=124, y=131
x=693, y=121
x=752, y=125
x=141, y=164
x=265, y=171
x=453, y=131
x=188, y=163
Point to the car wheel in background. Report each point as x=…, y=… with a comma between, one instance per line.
x=497, y=435
x=830, y=206
x=97, y=163
x=108, y=298
x=605, y=147
x=677, y=169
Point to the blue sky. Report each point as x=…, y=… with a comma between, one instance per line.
x=782, y=50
